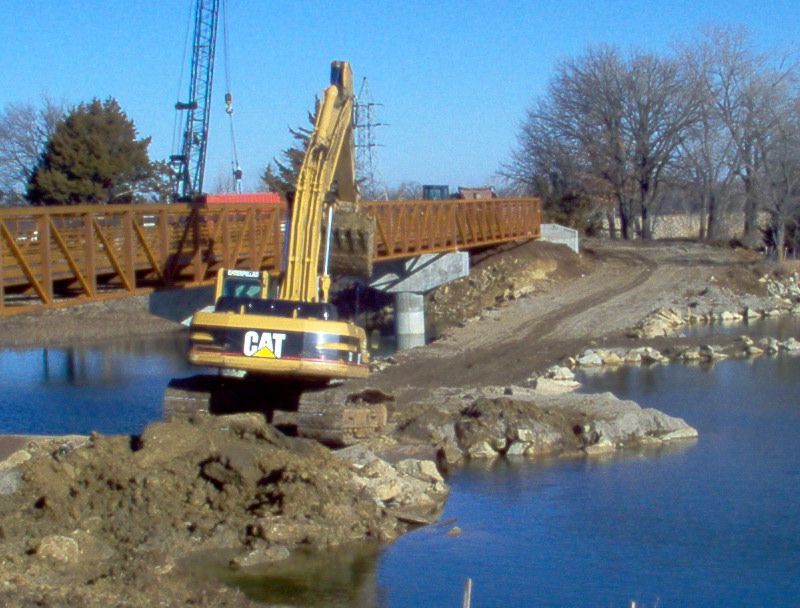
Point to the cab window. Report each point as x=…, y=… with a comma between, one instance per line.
x=242, y=288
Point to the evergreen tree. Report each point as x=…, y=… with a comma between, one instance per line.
x=92, y=157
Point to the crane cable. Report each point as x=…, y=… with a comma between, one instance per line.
x=176, y=126
x=237, y=170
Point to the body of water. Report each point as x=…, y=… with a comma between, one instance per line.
x=709, y=523
x=115, y=387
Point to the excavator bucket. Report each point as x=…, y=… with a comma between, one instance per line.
x=352, y=240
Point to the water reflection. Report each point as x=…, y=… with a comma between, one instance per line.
x=113, y=387
x=782, y=327
x=340, y=578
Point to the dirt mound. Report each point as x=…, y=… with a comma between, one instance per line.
x=499, y=275
x=116, y=508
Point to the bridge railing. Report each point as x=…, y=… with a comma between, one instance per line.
x=55, y=255
x=90, y=251
x=409, y=228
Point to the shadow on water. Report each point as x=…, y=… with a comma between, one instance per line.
x=341, y=578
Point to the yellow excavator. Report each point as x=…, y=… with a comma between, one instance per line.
x=296, y=334
x=293, y=340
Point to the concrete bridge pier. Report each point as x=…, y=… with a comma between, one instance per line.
x=409, y=311
x=409, y=280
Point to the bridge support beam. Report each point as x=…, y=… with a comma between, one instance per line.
x=409, y=280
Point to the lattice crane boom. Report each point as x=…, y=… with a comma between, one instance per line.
x=189, y=164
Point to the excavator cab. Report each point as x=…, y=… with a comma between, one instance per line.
x=241, y=284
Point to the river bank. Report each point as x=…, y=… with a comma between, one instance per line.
x=105, y=518
x=106, y=320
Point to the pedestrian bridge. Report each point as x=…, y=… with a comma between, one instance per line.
x=58, y=256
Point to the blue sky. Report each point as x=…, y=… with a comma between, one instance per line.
x=454, y=77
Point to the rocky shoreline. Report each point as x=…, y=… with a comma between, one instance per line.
x=717, y=305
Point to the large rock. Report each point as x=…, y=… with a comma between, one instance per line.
x=590, y=359
x=661, y=322
x=480, y=450
x=548, y=386
x=560, y=373
x=769, y=345
x=612, y=359
x=621, y=422
x=646, y=355
x=424, y=470
x=411, y=484
x=9, y=481
x=791, y=345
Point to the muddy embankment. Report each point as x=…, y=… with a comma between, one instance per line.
x=107, y=520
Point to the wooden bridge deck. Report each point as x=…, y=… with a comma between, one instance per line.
x=55, y=256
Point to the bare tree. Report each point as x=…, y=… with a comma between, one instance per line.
x=707, y=154
x=780, y=182
x=550, y=166
x=745, y=87
x=613, y=125
x=659, y=105
x=588, y=113
x=24, y=131
x=405, y=191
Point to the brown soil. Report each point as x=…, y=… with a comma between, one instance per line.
x=95, y=523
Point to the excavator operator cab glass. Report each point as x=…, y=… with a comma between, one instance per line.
x=238, y=287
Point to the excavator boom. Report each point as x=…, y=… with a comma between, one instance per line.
x=327, y=174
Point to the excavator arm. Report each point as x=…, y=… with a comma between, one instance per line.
x=327, y=175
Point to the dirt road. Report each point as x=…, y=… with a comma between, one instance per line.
x=627, y=281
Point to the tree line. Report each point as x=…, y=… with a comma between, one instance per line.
x=711, y=127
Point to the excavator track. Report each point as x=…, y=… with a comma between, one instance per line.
x=361, y=416
x=294, y=408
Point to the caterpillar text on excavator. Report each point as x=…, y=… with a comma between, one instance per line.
x=283, y=331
